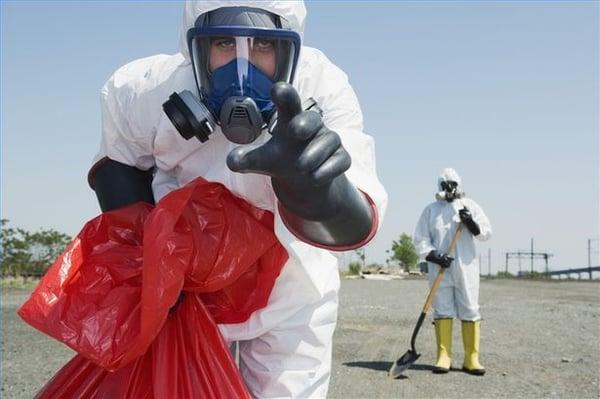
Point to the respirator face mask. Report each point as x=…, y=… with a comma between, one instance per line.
x=237, y=54
x=449, y=191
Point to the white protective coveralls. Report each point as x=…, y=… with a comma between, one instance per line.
x=285, y=348
x=458, y=294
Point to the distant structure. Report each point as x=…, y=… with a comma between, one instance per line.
x=527, y=255
x=581, y=270
x=568, y=272
x=544, y=255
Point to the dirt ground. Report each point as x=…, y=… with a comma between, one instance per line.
x=539, y=340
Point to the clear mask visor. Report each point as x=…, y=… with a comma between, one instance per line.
x=246, y=62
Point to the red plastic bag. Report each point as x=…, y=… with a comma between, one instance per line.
x=183, y=361
x=110, y=295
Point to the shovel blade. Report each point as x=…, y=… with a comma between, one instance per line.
x=403, y=363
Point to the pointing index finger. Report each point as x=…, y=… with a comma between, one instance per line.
x=287, y=101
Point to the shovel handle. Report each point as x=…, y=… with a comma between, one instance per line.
x=438, y=279
x=412, y=355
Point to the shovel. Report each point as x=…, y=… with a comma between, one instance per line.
x=411, y=356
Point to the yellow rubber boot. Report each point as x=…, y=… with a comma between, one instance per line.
x=443, y=335
x=471, y=334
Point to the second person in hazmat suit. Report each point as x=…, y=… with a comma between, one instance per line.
x=208, y=111
x=458, y=294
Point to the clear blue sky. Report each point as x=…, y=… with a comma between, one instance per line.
x=504, y=92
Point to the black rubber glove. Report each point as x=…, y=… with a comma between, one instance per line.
x=306, y=162
x=439, y=258
x=467, y=219
x=118, y=185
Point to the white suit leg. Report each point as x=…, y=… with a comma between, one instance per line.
x=467, y=295
x=293, y=360
x=443, y=303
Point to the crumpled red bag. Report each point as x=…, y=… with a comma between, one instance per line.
x=115, y=295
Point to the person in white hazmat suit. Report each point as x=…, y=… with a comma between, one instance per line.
x=458, y=294
x=209, y=111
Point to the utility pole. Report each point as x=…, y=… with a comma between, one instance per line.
x=590, y=257
x=480, y=264
x=364, y=256
x=490, y=262
x=532, y=256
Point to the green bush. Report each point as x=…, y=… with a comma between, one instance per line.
x=404, y=252
x=533, y=275
x=354, y=268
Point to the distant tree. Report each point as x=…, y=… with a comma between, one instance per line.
x=403, y=251
x=27, y=254
x=14, y=250
x=45, y=246
x=362, y=256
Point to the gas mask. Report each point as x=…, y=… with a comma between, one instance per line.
x=237, y=54
x=449, y=191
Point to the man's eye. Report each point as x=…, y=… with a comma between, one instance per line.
x=224, y=43
x=264, y=44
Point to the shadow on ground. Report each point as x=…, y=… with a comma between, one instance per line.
x=385, y=366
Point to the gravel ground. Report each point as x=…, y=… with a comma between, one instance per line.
x=539, y=340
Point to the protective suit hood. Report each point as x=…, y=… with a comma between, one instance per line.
x=449, y=174
x=293, y=11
